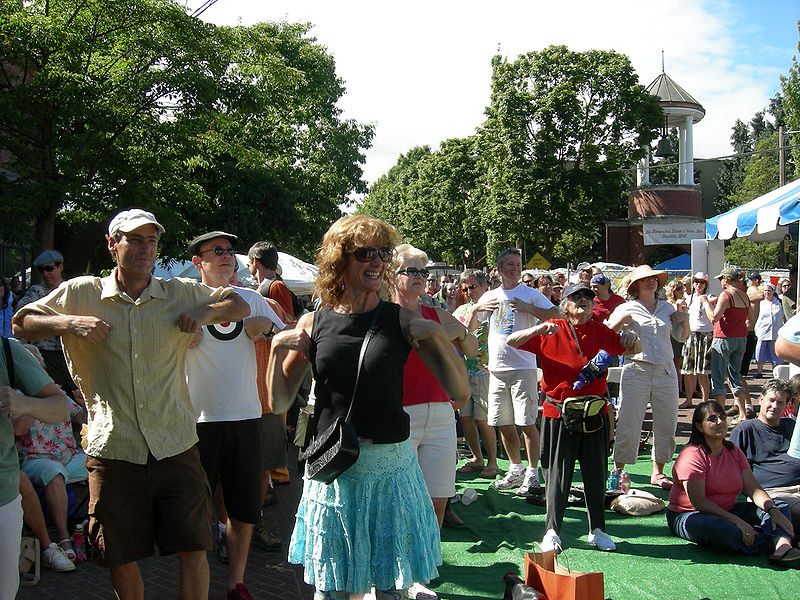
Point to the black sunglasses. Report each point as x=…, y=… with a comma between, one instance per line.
x=47, y=268
x=468, y=288
x=219, y=251
x=581, y=294
x=368, y=253
x=412, y=272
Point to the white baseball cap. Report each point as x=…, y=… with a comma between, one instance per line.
x=128, y=220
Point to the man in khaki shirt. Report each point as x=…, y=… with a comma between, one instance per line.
x=125, y=338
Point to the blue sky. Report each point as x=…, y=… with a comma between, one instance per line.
x=420, y=70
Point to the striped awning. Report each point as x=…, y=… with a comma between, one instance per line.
x=761, y=219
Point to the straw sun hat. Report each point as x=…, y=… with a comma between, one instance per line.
x=645, y=271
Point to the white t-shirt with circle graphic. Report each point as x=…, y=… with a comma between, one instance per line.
x=221, y=370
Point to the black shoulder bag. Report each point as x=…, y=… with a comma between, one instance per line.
x=335, y=450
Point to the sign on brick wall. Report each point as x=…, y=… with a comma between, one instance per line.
x=656, y=234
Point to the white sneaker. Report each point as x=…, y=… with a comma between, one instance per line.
x=551, y=541
x=54, y=557
x=530, y=483
x=601, y=541
x=420, y=592
x=513, y=479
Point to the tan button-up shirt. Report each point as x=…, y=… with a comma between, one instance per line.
x=133, y=382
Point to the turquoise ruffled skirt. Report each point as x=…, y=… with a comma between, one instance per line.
x=373, y=526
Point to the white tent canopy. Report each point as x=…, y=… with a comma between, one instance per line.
x=298, y=275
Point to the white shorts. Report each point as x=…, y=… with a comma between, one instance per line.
x=433, y=437
x=10, y=537
x=513, y=398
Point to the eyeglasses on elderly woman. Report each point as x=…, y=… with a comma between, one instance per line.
x=368, y=253
x=412, y=272
x=581, y=295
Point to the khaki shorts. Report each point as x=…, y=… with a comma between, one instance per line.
x=513, y=398
x=477, y=406
x=274, y=450
x=132, y=507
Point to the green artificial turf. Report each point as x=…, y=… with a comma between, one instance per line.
x=650, y=563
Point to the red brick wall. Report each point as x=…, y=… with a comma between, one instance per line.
x=665, y=200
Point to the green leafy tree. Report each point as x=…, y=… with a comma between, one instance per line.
x=432, y=197
x=561, y=125
x=730, y=176
x=106, y=104
x=790, y=88
x=752, y=255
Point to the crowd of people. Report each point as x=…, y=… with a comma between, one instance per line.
x=183, y=387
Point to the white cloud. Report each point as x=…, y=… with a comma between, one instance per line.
x=420, y=71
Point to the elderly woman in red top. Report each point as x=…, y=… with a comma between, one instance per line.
x=564, y=347
x=433, y=425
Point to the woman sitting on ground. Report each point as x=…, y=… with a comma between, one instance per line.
x=709, y=474
x=564, y=347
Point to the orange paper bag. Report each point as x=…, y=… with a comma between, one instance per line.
x=557, y=582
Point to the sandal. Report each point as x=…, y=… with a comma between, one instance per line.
x=70, y=551
x=489, y=472
x=687, y=404
x=662, y=481
x=470, y=467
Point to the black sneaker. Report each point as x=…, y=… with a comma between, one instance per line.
x=265, y=539
x=222, y=549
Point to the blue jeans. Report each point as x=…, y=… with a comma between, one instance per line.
x=726, y=361
x=716, y=532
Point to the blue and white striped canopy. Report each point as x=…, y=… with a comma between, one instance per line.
x=760, y=219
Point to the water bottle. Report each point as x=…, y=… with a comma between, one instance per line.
x=79, y=541
x=613, y=480
x=624, y=482
x=468, y=496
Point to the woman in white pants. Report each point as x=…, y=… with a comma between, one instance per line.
x=649, y=377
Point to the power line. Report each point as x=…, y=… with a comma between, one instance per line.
x=702, y=160
x=203, y=7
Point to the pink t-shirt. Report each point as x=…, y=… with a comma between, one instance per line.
x=722, y=474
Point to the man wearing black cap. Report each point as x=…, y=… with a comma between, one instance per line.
x=584, y=273
x=221, y=373
x=50, y=264
x=126, y=337
x=605, y=301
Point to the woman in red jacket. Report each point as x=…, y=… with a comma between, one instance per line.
x=564, y=347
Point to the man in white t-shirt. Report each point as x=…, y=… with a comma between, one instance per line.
x=221, y=374
x=513, y=396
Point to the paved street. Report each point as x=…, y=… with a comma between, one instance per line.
x=268, y=575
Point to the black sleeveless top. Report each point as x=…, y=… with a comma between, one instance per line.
x=336, y=339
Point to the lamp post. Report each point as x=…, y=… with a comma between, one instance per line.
x=782, y=182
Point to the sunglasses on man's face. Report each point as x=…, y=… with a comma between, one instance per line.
x=367, y=254
x=412, y=272
x=48, y=268
x=219, y=251
x=468, y=288
x=582, y=295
